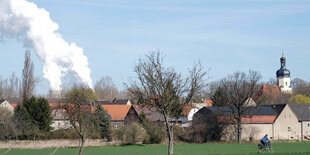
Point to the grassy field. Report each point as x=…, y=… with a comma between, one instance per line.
x=182, y=149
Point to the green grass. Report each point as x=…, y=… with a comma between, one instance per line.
x=284, y=148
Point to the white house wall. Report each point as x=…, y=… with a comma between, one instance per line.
x=306, y=129
x=60, y=124
x=7, y=105
x=287, y=126
x=249, y=132
x=256, y=131
x=191, y=114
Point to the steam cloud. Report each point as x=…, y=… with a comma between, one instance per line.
x=33, y=26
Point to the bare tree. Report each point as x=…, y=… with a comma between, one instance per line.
x=9, y=87
x=1, y=88
x=28, y=79
x=164, y=89
x=78, y=111
x=106, y=89
x=240, y=87
x=301, y=87
x=12, y=90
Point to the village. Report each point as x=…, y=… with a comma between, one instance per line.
x=154, y=77
x=281, y=121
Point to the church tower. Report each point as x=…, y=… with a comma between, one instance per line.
x=283, y=77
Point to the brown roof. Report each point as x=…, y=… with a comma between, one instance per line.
x=151, y=114
x=269, y=90
x=117, y=112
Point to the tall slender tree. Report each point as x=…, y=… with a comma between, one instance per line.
x=28, y=79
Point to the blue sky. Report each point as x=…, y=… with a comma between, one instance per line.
x=225, y=35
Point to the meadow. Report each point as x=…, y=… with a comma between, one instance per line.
x=282, y=148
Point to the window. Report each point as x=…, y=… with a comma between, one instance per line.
x=58, y=123
x=308, y=124
x=286, y=83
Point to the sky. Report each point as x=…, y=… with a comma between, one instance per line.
x=224, y=35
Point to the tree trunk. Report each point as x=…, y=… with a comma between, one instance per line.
x=81, y=146
x=239, y=129
x=170, y=146
x=170, y=135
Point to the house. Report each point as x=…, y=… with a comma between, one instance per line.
x=121, y=114
x=256, y=121
x=5, y=104
x=302, y=112
x=60, y=120
x=187, y=115
x=151, y=114
x=205, y=103
x=293, y=123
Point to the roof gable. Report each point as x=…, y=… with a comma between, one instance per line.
x=302, y=111
x=117, y=112
x=7, y=105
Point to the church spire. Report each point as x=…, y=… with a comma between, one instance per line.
x=282, y=61
x=283, y=76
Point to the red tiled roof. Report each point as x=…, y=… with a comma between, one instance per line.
x=208, y=102
x=14, y=105
x=117, y=112
x=54, y=105
x=270, y=90
x=259, y=119
x=249, y=119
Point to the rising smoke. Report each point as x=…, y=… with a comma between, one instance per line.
x=33, y=26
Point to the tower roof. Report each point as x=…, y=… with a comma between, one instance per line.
x=283, y=72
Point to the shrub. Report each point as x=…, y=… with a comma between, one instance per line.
x=206, y=129
x=129, y=134
x=155, y=132
x=64, y=134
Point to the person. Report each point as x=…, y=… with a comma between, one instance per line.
x=265, y=141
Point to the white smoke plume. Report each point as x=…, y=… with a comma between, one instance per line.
x=33, y=26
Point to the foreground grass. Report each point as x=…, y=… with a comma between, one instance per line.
x=182, y=149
